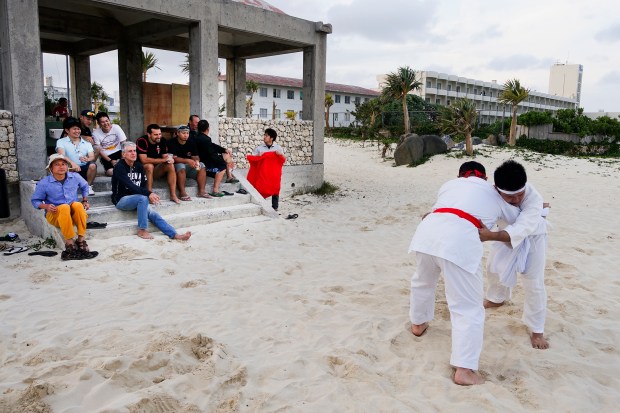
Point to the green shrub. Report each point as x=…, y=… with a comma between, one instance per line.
x=325, y=189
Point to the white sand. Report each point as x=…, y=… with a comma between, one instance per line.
x=311, y=315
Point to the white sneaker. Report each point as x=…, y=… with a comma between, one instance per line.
x=90, y=190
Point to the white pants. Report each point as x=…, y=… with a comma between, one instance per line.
x=464, y=292
x=535, y=305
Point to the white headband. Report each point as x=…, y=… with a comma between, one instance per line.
x=510, y=192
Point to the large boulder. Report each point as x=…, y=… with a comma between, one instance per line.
x=414, y=147
x=476, y=140
x=448, y=140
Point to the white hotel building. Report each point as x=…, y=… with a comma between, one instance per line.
x=287, y=95
x=443, y=89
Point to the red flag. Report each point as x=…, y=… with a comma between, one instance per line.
x=265, y=172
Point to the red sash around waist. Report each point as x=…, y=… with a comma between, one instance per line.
x=461, y=214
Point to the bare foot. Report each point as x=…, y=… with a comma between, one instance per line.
x=539, y=342
x=467, y=377
x=418, y=330
x=183, y=237
x=175, y=200
x=491, y=304
x=144, y=234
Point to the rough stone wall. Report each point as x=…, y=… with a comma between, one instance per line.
x=8, y=159
x=242, y=135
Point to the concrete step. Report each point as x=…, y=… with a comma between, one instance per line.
x=185, y=220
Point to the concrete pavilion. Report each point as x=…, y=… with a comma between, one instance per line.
x=206, y=29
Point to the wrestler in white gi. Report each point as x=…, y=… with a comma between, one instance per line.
x=447, y=240
x=523, y=250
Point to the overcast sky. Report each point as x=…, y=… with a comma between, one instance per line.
x=479, y=39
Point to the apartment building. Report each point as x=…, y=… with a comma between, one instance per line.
x=286, y=93
x=565, y=80
x=443, y=89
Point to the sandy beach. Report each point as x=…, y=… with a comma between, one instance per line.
x=311, y=314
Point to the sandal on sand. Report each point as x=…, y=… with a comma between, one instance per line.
x=216, y=194
x=185, y=198
x=82, y=247
x=292, y=216
x=44, y=253
x=16, y=250
x=11, y=236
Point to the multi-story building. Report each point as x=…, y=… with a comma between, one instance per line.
x=54, y=92
x=443, y=89
x=286, y=94
x=565, y=80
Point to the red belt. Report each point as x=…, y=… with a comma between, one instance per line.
x=461, y=214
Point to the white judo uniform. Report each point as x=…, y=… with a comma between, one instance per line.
x=525, y=254
x=445, y=242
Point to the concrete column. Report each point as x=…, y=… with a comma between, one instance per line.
x=130, y=88
x=83, y=99
x=313, y=106
x=203, y=81
x=22, y=83
x=235, y=88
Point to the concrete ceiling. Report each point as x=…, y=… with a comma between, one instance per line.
x=88, y=28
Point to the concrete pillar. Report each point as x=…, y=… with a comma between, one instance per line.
x=313, y=107
x=130, y=88
x=83, y=98
x=235, y=88
x=203, y=81
x=22, y=83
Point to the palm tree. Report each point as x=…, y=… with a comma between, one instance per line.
x=251, y=87
x=459, y=118
x=513, y=94
x=185, y=65
x=398, y=85
x=98, y=95
x=329, y=102
x=149, y=61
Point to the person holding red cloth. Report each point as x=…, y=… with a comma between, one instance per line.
x=266, y=163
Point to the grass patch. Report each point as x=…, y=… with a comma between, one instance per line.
x=325, y=189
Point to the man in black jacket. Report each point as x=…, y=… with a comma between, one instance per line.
x=129, y=193
x=217, y=160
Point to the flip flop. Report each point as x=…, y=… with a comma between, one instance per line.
x=242, y=191
x=95, y=224
x=11, y=236
x=176, y=201
x=227, y=193
x=205, y=196
x=16, y=250
x=216, y=194
x=44, y=253
x=292, y=216
x=185, y=198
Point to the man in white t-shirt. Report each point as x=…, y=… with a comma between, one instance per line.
x=108, y=139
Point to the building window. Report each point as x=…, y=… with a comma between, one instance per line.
x=458, y=89
x=290, y=94
x=301, y=95
x=278, y=113
x=429, y=84
x=428, y=100
x=467, y=90
x=276, y=93
x=262, y=92
x=366, y=99
x=337, y=99
x=263, y=112
x=438, y=86
x=438, y=101
x=347, y=117
x=347, y=100
x=449, y=88
x=475, y=91
x=335, y=116
x=358, y=100
x=448, y=102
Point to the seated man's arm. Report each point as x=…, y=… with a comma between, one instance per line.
x=144, y=159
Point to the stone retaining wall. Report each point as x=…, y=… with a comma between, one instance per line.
x=242, y=135
x=8, y=159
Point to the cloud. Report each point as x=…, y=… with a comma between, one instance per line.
x=610, y=78
x=519, y=62
x=490, y=33
x=399, y=21
x=609, y=35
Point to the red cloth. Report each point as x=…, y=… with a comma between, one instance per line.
x=461, y=214
x=265, y=173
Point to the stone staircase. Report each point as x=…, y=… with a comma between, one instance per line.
x=198, y=211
